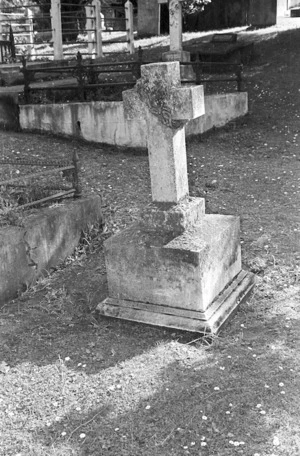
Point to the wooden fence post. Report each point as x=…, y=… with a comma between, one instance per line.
x=56, y=29
x=98, y=32
x=129, y=26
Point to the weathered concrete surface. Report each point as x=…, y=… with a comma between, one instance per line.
x=166, y=107
x=102, y=122
x=188, y=277
x=45, y=240
x=9, y=112
x=105, y=122
x=185, y=272
x=219, y=110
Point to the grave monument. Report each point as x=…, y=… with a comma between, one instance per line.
x=177, y=267
x=175, y=25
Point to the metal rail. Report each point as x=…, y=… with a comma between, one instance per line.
x=59, y=167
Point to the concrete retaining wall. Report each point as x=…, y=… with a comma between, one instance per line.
x=45, y=240
x=105, y=122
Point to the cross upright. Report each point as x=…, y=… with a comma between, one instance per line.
x=166, y=107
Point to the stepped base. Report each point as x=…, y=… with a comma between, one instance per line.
x=178, y=267
x=208, y=322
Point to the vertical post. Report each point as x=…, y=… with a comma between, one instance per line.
x=90, y=26
x=129, y=26
x=1, y=20
x=98, y=31
x=80, y=77
x=239, y=78
x=56, y=29
x=12, y=44
x=26, y=81
x=31, y=50
x=76, y=182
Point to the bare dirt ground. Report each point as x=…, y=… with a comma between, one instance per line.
x=74, y=383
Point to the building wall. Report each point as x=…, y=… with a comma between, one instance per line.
x=147, y=17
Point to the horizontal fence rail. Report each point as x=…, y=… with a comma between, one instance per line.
x=62, y=169
x=202, y=70
x=86, y=75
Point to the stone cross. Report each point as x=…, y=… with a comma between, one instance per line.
x=166, y=106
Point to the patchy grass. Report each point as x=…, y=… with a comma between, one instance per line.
x=74, y=383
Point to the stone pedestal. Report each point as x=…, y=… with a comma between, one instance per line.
x=177, y=267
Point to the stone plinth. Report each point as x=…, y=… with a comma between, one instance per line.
x=177, y=267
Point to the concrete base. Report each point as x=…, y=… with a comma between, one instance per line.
x=209, y=322
x=178, y=268
x=181, y=56
x=46, y=239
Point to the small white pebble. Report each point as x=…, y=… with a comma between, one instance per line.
x=222, y=368
x=84, y=365
x=203, y=444
x=227, y=412
x=202, y=438
x=281, y=384
x=67, y=358
x=79, y=364
x=204, y=417
x=280, y=367
x=185, y=447
x=258, y=405
x=148, y=407
x=63, y=433
x=249, y=348
x=216, y=388
x=230, y=405
x=276, y=441
x=282, y=392
x=78, y=409
x=117, y=429
x=254, y=355
x=193, y=443
x=228, y=356
x=266, y=386
x=262, y=412
x=82, y=436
